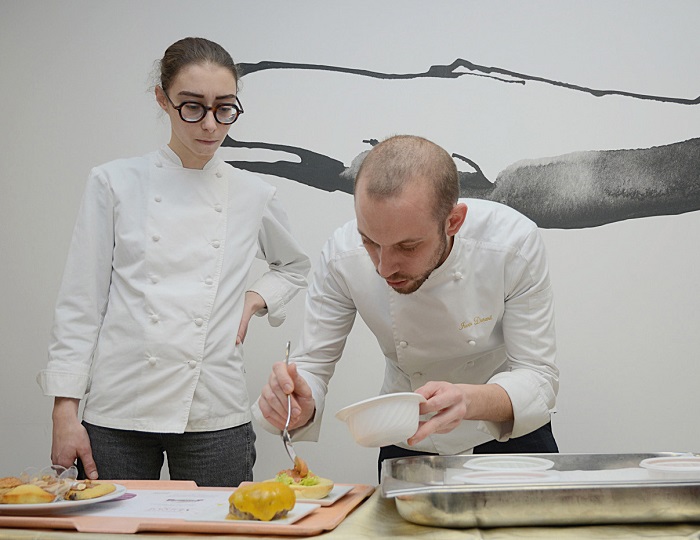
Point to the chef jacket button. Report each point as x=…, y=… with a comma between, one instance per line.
x=209, y=281
x=152, y=360
x=218, y=207
x=157, y=198
x=155, y=318
x=216, y=244
x=159, y=164
x=470, y=363
x=458, y=275
x=154, y=278
x=199, y=321
x=155, y=237
x=471, y=342
x=192, y=364
x=403, y=344
x=219, y=174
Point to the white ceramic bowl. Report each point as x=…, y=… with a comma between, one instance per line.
x=383, y=420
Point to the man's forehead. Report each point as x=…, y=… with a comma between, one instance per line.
x=391, y=222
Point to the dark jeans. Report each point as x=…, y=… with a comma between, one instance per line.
x=211, y=458
x=540, y=441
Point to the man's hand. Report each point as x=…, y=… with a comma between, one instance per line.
x=453, y=403
x=70, y=440
x=285, y=380
x=251, y=305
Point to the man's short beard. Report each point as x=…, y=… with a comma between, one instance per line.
x=415, y=284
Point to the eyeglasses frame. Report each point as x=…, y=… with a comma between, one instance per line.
x=237, y=105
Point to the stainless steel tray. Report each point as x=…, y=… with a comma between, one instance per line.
x=577, y=489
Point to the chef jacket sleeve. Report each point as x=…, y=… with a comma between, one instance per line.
x=287, y=262
x=532, y=377
x=329, y=316
x=82, y=297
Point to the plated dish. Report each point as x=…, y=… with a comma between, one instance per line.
x=336, y=493
x=58, y=506
x=299, y=511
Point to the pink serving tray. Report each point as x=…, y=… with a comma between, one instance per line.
x=323, y=519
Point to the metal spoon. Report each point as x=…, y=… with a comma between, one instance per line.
x=285, y=434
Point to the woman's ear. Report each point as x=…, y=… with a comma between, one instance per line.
x=456, y=219
x=161, y=98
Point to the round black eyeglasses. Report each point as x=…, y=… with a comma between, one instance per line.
x=193, y=111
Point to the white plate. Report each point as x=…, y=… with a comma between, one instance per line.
x=673, y=465
x=58, y=506
x=508, y=463
x=505, y=477
x=336, y=493
x=219, y=514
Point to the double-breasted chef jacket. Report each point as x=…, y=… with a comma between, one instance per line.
x=484, y=316
x=153, y=291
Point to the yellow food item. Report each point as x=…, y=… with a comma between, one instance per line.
x=263, y=501
x=27, y=494
x=9, y=482
x=89, y=490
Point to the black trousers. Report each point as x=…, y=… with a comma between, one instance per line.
x=540, y=441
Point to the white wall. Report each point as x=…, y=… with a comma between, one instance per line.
x=74, y=79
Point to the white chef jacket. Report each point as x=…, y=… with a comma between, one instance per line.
x=484, y=316
x=153, y=291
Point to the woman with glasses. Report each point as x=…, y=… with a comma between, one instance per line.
x=153, y=308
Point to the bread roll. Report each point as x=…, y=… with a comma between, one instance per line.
x=308, y=487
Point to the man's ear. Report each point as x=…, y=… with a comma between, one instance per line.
x=456, y=219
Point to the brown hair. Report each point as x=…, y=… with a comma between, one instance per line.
x=193, y=50
x=401, y=160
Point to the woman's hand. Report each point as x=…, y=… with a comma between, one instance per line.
x=70, y=440
x=252, y=304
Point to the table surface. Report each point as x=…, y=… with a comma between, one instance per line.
x=378, y=519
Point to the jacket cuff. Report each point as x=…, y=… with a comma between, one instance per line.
x=530, y=408
x=63, y=384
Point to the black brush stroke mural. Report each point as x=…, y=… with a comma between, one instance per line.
x=450, y=71
x=577, y=190
x=313, y=169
